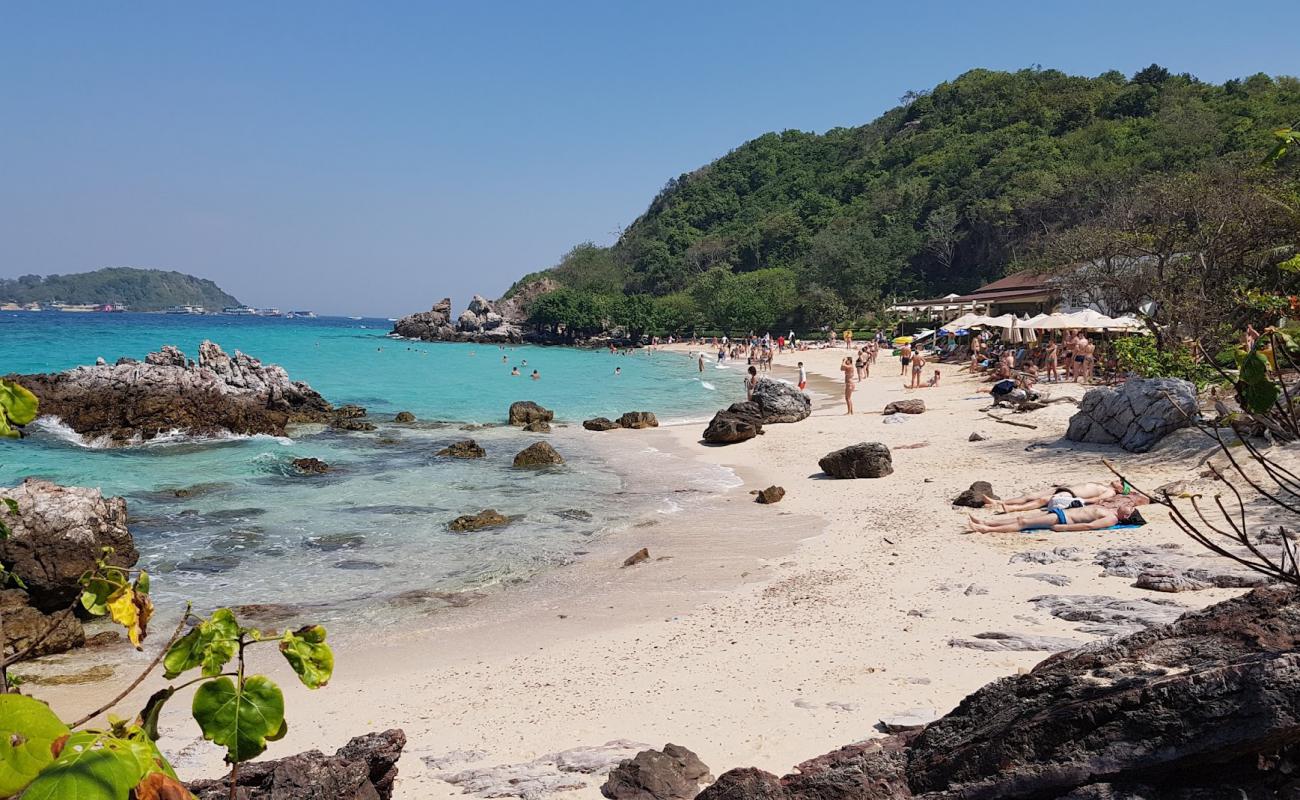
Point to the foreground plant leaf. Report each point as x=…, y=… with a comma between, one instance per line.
x=91, y=766
x=241, y=720
x=157, y=786
x=28, y=732
x=310, y=657
x=17, y=407
x=211, y=644
x=1258, y=392
x=132, y=610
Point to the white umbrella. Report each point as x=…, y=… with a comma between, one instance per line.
x=1056, y=322
x=1093, y=320
x=1026, y=331
x=1004, y=321
x=964, y=321
x=1032, y=322
x=1131, y=324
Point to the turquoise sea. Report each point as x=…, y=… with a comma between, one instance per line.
x=228, y=521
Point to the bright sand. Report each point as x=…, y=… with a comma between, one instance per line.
x=766, y=634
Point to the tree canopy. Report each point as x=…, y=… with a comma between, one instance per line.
x=139, y=289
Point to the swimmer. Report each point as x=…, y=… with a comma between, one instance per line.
x=514, y=371
x=618, y=370
x=537, y=376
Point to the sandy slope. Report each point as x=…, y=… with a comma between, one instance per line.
x=772, y=634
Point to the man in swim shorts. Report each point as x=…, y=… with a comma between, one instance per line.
x=1084, y=518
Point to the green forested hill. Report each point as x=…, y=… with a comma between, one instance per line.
x=940, y=194
x=139, y=289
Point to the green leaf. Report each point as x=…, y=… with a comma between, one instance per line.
x=211, y=644
x=310, y=657
x=17, y=403
x=241, y=720
x=1257, y=391
x=28, y=728
x=95, y=593
x=10, y=504
x=92, y=766
x=152, y=709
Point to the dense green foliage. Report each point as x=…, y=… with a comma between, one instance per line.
x=942, y=193
x=138, y=289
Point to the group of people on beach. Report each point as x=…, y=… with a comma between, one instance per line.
x=1074, y=358
x=1085, y=507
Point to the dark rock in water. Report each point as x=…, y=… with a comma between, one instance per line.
x=404, y=417
x=771, y=494
x=636, y=558
x=267, y=612
x=238, y=540
x=974, y=496
x=25, y=626
x=523, y=412
x=466, y=448
x=1136, y=415
x=359, y=564
x=577, y=514
x=737, y=423
x=638, y=420
x=483, y=321
x=58, y=534
x=600, y=424
x=862, y=460
x=778, y=402
x=487, y=518
x=351, y=424
x=310, y=466
x=349, y=411
x=538, y=426
x=673, y=774
x=914, y=405
x=363, y=769
x=209, y=564
x=334, y=541
x=538, y=454
x=128, y=402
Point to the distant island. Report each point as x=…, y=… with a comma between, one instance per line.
x=119, y=287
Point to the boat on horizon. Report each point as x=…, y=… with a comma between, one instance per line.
x=185, y=310
x=239, y=311
x=301, y=315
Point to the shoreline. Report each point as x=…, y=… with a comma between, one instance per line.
x=772, y=634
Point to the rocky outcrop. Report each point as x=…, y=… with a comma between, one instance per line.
x=1204, y=707
x=58, y=533
x=600, y=424
x=487, y=518
x=862, y=460
x=479, y=322
x=974, y=496
x=219, y=393
x=363, y=769
x=737, y=423
x=310, y=466
x=404, y=417
x=674, y=773
x=1167, y=568
x=538, y=454
x=26, y=627
x=466, y=448
x=1136, y=415
x=770, y=495
x=522, y=412
x=638, y=420
x=914, y=405
x=778, y=402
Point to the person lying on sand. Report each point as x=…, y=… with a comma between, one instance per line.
x=1086, y=492
x=1084, y=518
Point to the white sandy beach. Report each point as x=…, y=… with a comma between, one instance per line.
x=755, y=635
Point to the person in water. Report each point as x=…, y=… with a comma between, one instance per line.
x=618, y=370
x=1079, y=518
x=1086, y=492
x=514, y=371
x=537, y=376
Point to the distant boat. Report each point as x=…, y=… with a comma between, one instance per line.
x=79, y=308
x=239, y=311
x=301, y=315
x=354, y=317
x=268, y=312
x=392, y=319
x=185, y=310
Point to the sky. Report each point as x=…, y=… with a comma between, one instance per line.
x=371, y=158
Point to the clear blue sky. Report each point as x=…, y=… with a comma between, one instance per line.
x=373, y=157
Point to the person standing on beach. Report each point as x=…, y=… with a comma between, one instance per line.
x=1051, y=359
x=848, y=337
x=850, y=383
x=904, y=358
x=803, y=377
x=918, y=363
x=860, y=363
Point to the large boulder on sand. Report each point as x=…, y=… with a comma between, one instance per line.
x=912, y=405
x=1136, y=415
x=638, y=419
x=736, y=423
x=538, y=454
x=363, y=769
x=58, y=533
x=779, y=401
x=600, y=424
x=26, y=627
x=862, y=460
x=523, y=412
x=674, y=773
x=1203, y=707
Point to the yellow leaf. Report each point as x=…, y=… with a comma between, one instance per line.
x=132, y=611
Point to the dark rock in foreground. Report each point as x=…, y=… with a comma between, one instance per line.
x=638, y=420
x=737, y=423
x=674, y=773
x=974, y=496
x=600, y=424
x=538, y=426
x=523, y=412
x=862, y=460
x=772, y=494
x=913, y=405
x=168, y=392
x=778, y=402
x=1205, y=707
x=538, y=454
x=26, y=627
x=1136, y=415
x=465, y=448
x=363, y=769
x=487, y=518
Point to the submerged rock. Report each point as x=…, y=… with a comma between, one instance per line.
x=674, y=773
x=404, y=417
x=310, y=466
x=600, y=424
x=487, y=518
x=538, y=426
x=538, y=454
x=220, y=393
x=1136, y=415
x=465, y=448
x=363, y=769
x=638, y=419
x=862, y=460
x=523, y=412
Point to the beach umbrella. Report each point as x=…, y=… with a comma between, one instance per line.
x=903, y=340
x=1129, y=324
x=1093, y=320
x=962, y=322
x=1032, y=322
x=1056, y=321
x=1004, y=321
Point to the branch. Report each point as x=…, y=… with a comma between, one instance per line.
x=140, y=678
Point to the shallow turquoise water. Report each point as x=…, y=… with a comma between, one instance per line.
x=245, y=529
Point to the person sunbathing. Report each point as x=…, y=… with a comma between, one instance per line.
x=1087, y=492
x=1083, y=518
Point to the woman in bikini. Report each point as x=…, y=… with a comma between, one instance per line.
x=1052, y=374
x=850, y=382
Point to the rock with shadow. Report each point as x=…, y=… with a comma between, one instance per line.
x=1135, y=415
x=862, y=460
